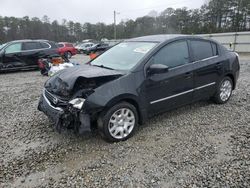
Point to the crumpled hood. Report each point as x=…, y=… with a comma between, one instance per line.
x=66, y=79
x=86, y=71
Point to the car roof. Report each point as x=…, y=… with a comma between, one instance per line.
x=160, y=38
x=64, y=43
x=87, y=43
x=29, y=40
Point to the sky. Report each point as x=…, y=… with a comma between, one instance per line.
x=92, y=11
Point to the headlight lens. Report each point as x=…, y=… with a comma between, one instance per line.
x=77, y=103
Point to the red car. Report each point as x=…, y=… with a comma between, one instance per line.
x=66, y=49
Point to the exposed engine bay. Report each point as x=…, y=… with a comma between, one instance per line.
x=64, y=96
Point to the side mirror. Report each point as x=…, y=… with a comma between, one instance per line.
x=157, y=69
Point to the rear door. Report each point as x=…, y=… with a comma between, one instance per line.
x=31, y=52
x=207, y=67
x=49, y=48
x=174, y=88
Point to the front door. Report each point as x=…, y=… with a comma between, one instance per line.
x=175, y=87
x=12, y=57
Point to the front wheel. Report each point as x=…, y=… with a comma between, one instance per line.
x=119, y=122
x=224, y=91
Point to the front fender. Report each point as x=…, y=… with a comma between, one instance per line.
x=125, y=88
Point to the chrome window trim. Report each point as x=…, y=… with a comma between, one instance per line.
x=205, y=59
x=179, y=66
x=186, y=64
x=56, y=108
x=183, y=93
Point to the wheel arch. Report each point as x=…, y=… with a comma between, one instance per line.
x=131, y=99
x=231, y=76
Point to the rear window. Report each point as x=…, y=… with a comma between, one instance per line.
x=69, y=45
x=201, y=49
x=52, y=44
x=44, y=45
x=31, y=45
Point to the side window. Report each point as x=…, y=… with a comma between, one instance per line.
x=69, y=45
x=201, y=49
x=214, y=48
x=31, y=45
x=44, y=45
x=173, y=54
x=13, y=48
x=60, y=45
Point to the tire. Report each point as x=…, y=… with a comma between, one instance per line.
x=223, y=91
x=68, y=55
x=44, y=72
x=114, y=125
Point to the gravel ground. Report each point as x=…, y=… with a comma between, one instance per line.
x=199, y=145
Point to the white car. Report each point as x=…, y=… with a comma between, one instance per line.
x=82, y=48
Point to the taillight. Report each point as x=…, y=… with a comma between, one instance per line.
x=58, y=50
x=40, y=64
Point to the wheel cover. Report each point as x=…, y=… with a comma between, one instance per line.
x=121, y=123
x=225, y=90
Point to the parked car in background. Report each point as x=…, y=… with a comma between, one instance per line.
x=88, y=40
x=66, y=49
x=97, y=48
x=137, y=79
x=83, y=47
x=24, y=54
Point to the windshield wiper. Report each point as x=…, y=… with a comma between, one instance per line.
x=102, y=66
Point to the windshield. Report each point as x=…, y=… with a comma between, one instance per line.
x=94, y=45
x=123, y=56
x=84, y=45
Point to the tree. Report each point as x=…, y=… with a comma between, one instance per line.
x=213, y=16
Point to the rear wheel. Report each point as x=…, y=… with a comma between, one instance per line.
x=224, y=91
x=68, y=55
x=118, y=123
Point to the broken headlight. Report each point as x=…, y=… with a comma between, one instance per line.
x=77, y=103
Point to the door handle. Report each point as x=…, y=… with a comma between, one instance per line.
x=188, y=75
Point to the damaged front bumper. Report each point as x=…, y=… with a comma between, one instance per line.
x=66, y=117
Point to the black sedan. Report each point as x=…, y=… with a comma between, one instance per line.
x=97, y=48
x=137, y=79
x=24, y=54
